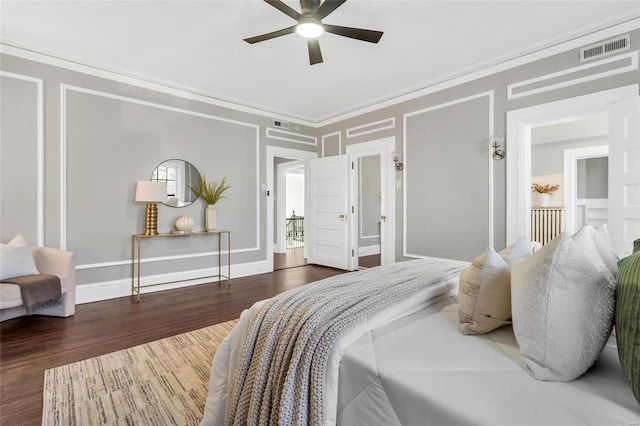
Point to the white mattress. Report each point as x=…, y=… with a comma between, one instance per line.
x=420, y=370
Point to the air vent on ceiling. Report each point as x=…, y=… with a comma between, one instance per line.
x=605, y=48
x=281, y=124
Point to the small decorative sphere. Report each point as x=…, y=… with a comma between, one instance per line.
x=184, y=223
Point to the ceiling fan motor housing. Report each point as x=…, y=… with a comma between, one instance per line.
x=309, y=7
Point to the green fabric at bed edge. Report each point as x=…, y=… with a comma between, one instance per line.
x=628, y=317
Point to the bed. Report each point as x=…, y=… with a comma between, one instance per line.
x=452, y=379
x=404, y=362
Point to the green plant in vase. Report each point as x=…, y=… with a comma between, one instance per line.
x=211, y=193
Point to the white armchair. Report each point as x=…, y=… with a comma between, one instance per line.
x=48, y=261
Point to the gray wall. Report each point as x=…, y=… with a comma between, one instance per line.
x=548, y=158
x=19, y=159
x=593, y=178
x=109, y=134
x=369, y=186
x=443, y=137
x=100, y=136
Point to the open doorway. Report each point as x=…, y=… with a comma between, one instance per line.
x=569, y=159
x=623, y=108
x=369, y=211
x=289, y=247
x=275, y=156
x=373, y=183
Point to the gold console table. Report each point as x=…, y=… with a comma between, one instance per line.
x=136, y=250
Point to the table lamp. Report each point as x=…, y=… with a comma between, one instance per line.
x=150, y=192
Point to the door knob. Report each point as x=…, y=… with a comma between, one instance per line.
x=343, y=216
x=384, y=217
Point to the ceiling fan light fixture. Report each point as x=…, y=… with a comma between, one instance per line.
x=309, y=28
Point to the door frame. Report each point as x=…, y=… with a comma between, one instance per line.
x=383, y=147
x=571, y=157
x=281, y=203
x=518, y=146
x=273, y=152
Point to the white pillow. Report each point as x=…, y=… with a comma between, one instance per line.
x=604, y=245
x=516, y=251
x=16, y=259
x=563, y=299
x=484, y=295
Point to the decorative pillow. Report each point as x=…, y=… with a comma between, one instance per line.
x=16, y=259
x=563, y=307
x=535, y=245
x=606, y=250
x=604, y=246
x=516, y=251
x=484, y=296
x=628, y=317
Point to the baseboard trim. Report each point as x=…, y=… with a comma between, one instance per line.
x=369, y=250
x=95, y=292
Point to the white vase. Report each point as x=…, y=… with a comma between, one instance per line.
x=210, y=218
x=184, y=223
x=543, y=200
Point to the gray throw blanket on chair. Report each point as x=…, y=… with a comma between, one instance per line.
x=280, y=375
x=39, y=291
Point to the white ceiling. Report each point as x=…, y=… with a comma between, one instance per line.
x=197, y=45
x=595, y=126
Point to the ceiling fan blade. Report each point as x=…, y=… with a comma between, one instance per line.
x=270, y=35
x=358, y=33
x=282, y=7
x=327, y=7
x=315, y=55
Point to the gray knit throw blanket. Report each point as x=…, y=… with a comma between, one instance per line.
x=280, y=375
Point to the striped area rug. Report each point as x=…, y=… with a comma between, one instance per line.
x=159, y=383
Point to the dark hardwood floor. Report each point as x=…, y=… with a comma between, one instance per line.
x=30, y=345
x=369, y=261
x=292, y=258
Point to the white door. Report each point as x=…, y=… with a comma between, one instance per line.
x=383, y=148
x=624, y=174
x=326, y=188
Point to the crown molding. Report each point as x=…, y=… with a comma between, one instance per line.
x=576, y=39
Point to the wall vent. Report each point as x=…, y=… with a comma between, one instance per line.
x=281, y=124
x=605, y=48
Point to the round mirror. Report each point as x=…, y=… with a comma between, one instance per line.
x=179, y=176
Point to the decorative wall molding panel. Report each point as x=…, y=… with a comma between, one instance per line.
x=376, y=126
x=475, y=74
x=607, y=67
x=419, y=186
x=120, y=288
x=376, y=104
x=284, y=135
x=65, y=90
x=327, y=139
x=160, y=87
x=39, y=83
x=160, y=259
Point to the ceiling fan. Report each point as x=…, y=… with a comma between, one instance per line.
x=310, y=25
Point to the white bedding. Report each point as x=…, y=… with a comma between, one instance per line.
x=229, y=352
x=420, y=370
x=409, y=365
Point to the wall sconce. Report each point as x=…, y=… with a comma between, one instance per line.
x=396, y=160
x=498, y=154
x=151, y=192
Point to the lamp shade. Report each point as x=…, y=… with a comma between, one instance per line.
x=149, y=191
